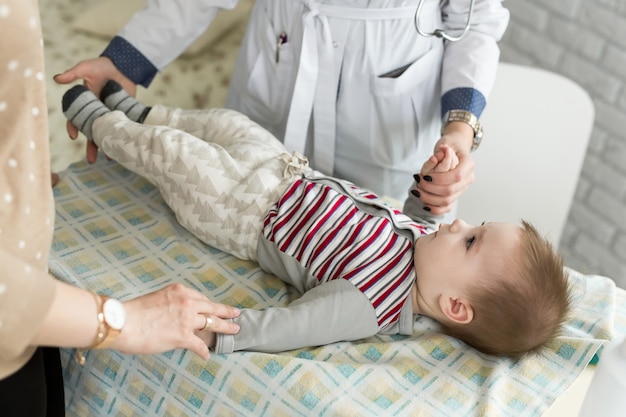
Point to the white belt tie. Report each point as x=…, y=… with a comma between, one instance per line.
x=314, y=90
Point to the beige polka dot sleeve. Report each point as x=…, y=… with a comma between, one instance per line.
x=26, y=204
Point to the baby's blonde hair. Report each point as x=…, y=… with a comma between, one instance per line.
x=513, y=317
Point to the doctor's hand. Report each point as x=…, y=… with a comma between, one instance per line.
x=449, y=172
x=94, y=73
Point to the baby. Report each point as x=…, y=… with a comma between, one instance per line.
x=362, y=268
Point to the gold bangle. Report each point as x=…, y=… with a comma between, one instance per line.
x=100, y=335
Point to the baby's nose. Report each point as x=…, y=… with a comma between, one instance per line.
x=457, y=225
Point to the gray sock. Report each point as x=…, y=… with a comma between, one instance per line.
x=82, y=107
x=116, y=98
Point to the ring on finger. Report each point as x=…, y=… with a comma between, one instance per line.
x=207, y=324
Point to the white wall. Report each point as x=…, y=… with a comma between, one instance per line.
x=585, y=40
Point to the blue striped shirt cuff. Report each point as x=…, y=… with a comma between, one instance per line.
x=130, y=61
x=464, y=98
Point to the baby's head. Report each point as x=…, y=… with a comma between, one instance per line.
x=498, y=287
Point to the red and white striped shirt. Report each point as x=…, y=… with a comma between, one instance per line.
x=328, y=234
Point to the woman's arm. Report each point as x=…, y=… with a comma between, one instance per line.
x=467, y=76
x=157, y=322
x=151, y=40
x=159, y=33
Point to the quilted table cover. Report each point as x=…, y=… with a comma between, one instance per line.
x=115, y=235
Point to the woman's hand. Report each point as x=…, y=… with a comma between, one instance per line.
x=171, y=318
x=442, y=181
x=94, y=73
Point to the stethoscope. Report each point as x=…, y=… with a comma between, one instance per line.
x=440, y=33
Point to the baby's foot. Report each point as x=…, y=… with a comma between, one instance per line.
x=116, y=98
x=82, y=107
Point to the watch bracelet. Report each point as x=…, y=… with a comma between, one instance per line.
x=458, y=115
x=102, y=333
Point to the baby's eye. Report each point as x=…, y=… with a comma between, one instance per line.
x=469, y=242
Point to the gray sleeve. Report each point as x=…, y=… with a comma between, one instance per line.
x=332, y=312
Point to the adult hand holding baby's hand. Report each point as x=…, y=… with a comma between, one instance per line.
x=172, y=318
x=448, y=172
x=443, y=160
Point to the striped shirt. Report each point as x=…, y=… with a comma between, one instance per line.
x=330, y=236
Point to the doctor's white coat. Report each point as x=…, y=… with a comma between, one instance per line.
x=349, y=83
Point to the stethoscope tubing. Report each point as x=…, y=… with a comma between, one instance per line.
x=440, y=33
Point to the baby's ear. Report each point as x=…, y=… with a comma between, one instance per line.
x=458, y=310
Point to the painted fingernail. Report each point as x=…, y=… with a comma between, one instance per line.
x=426, y=208
x=428, y=178
x=416, y=177
x=415, y=193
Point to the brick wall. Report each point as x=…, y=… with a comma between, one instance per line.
x=585, y=40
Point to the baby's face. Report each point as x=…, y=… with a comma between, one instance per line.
x=459, y=255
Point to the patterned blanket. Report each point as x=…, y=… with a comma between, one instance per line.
x=115, y=235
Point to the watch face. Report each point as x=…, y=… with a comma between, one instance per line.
x=114, y=313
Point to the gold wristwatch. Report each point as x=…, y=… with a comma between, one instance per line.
x=466, y=117
x=111, y=319
x=113, y=315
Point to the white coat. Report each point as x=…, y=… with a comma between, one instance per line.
x=353, y=86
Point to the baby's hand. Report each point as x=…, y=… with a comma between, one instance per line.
x=443, y=160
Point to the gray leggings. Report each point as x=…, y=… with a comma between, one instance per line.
x=216, y=169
